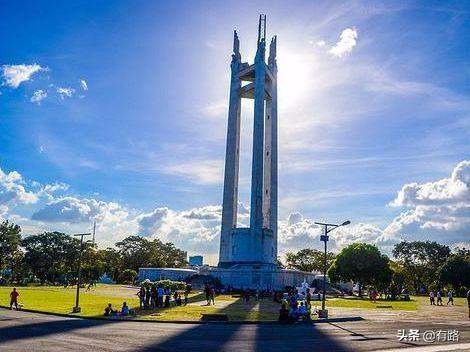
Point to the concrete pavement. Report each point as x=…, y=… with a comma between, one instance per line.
x=21, y=331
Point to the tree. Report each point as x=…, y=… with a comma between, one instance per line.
x=10, y=240
x=112, y=262
x=421, y=261
x=51, y=256
x=308, y=260
x=138, y=252
x=456, y=271
x=128, y=276
x=362, y=263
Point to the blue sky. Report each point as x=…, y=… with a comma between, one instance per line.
x=116, y=111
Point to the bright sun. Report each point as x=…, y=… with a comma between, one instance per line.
x=294, y=75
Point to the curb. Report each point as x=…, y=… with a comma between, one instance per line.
x=240, y=322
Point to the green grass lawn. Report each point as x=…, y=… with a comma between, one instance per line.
x=61, y=300
x=366, y=303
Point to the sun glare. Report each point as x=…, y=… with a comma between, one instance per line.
x=294, y=75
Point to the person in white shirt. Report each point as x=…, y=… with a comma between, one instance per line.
x=431, y=298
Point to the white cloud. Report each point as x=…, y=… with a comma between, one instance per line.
x=348, y=40
x=79, y=210
x=198, y=171
x=216, y=109
x=65, y=92
x=321, y=43
x=38, y=96
x=196, y=230
x=13, y=192
x=14, y=75
x=438, y=210
x=83, y=84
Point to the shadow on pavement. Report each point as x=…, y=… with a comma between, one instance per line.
x=45, y=328
x=257, y=337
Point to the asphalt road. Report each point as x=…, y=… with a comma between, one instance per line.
x=22, y=331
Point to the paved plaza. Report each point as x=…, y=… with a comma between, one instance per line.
x=22, y=331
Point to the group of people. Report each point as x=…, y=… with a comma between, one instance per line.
x=438, y=295
x=295, y=307
x=155, y=296
x=109, y=311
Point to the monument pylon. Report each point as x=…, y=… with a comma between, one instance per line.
x=256, y=245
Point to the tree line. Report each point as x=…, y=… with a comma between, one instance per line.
x=52, y=257
x=416, y=267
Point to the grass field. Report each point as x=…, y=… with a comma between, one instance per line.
x=61, y=300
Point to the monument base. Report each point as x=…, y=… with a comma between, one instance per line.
x=258, y=276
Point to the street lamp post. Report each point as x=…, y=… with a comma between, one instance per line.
x=324, y=238
x=77, y=309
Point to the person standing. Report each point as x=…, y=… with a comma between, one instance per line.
x=141, y=295
x=14, y=298
x=160, y=293
x=153, y=297
x=431, y=298
x=207, y=292
x=450, y=297
x=439, y=297
x=468, y=303
x=212, y=295
x=147, y=297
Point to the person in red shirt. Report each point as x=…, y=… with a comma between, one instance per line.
x=14, y=298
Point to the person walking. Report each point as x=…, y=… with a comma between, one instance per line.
x=450, y=297
x=14, y=298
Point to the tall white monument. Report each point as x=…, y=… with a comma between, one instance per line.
x=248, y=256
x=256, y=245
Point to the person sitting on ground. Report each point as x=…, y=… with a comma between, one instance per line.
x=303, y=311
x=14, y=298
x=108, y=311
x=283, y=313
x=125, y=309
x=293, y=302
x=293, y=314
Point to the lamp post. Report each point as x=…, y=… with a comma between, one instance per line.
x=77, y=309
x=324, y=238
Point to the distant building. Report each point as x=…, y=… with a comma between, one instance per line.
x=196, y=260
